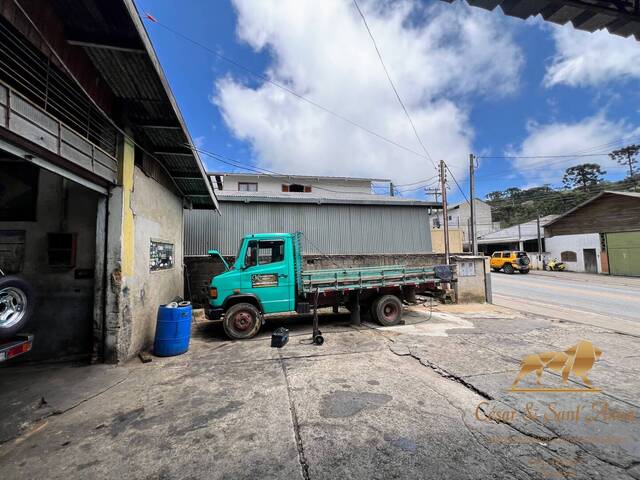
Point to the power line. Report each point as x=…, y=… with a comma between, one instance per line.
x=417, y=181
x=280, y=86
x=395, y=90
x=267, y=173
x=456, y=181
x=544, y=156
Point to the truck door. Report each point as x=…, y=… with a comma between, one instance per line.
x=266, y=274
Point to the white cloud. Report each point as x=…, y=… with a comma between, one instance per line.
x=591, y=135
x=322, y=50
x=591, y=59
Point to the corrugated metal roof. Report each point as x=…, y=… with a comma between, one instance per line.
x=113, y=37
x=320, y=197
x=524, y=231
x=620, y=17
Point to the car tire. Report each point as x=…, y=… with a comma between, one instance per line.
x=508, y=269
x=17, y=303
x=242, y=321
x=388, y=310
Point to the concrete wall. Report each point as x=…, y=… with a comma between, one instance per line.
x=133, y=291
x=473, y=285
x=274, y=184
x=64, y=308
x=575, y=243
x=158, y=215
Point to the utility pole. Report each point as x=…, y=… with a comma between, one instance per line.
x=472, y=196
x=445, y=214
x=433, y=191
x=539, y=240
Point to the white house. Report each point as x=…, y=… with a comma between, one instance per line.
x=271, y=184
x=581, y=252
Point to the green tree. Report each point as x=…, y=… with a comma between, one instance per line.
x=583, y=176
x=627, y=156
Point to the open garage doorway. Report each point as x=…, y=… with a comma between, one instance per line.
x=48, y=238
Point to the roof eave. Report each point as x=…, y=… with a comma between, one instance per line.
x=142, y=32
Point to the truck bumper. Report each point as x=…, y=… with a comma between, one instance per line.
x=214, y=313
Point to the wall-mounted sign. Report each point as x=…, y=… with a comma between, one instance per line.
x=160, y=256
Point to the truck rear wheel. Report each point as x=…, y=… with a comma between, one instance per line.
x=242, y=321
x=387, y=310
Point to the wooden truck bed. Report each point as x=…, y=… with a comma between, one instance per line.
x=371, y=277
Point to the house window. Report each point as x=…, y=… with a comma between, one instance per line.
x=568, y=256
x=294, y=187
x=247, y=187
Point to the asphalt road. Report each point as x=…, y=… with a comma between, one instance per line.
x=573, y=297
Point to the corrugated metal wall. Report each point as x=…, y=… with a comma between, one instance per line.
x=334, y=229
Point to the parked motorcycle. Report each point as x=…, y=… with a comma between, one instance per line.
x=554, y=265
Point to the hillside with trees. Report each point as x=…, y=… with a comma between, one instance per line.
x=581, y=182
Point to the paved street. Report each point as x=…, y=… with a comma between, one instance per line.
x=592, y=299
x=428, y=399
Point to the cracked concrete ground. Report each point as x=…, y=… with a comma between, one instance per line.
x=428, y=399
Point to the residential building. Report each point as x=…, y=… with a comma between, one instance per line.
x=95, y=174
x=460, y=219
x=270, y=184
x=615, y=218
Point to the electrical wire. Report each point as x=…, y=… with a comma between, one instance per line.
x=270, y=173
x=266, y=79
x=395, y=90
x=457, y=184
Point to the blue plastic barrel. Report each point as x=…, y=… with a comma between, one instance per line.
x=173, y=330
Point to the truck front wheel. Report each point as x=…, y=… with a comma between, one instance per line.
x=387, y=310
x=242, y=321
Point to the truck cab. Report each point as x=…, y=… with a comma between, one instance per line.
x=262, y=276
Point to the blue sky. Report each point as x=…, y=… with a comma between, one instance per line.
x=474, y=81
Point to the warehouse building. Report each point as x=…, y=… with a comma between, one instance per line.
x=338, y=217
x=615, y=218
x=95, y=175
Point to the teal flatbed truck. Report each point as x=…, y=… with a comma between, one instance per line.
x=267, y=278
